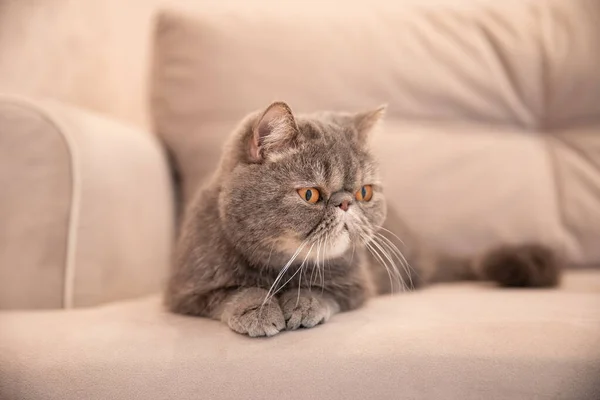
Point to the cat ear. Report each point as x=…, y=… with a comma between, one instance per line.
x=366, y=122
x=275, y=130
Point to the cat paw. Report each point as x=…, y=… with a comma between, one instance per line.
x=257, y=320
x=305, y=309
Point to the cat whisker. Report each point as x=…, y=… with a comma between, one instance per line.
x=282, y=273
x=391, y=246
x=305, y=273
x=313, y=272
x=302, y=270
x=271, y=253
x=396, y=251
x=405, y=267
x=316, y=264
x=376, y=255
x=393, y=265
x=300, y=276
x=375, y=241
x=381, y=251
x=391, y=233
x=323, y=265
x=294, y=274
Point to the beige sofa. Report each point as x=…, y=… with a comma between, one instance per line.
x=492, y=136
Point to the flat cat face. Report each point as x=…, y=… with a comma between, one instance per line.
x=306, y=186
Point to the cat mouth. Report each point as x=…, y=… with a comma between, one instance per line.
x=346, y=227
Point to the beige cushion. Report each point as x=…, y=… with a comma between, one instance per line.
x=494, y=107
x=93, y=54
x=86, y=208
x=448, y=342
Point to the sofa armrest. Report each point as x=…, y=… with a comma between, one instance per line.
x=86, y=208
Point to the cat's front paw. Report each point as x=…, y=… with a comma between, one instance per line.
x=305, y=309
x=256, y=319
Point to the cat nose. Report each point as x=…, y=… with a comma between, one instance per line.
x=342, y=200
x=345, y=204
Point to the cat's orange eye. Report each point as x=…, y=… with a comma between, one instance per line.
x=310, y=195
x=365, y=193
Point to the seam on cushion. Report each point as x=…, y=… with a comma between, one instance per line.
x=60, y=126
x=550, y=142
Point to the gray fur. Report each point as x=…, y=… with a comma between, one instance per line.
x=235, y=260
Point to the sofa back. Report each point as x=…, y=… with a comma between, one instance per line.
x=92, y=54
x=494, y=107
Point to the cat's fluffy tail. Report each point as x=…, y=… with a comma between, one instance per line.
x=516, y=265
x=526, y=265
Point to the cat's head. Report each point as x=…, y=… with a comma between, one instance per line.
x=301, y=184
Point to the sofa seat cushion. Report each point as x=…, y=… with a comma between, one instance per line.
x=462, y=341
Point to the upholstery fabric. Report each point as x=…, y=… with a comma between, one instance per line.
x=35, y=204
x=494, y=107
x=86, y=208
x=93, y=54
x=446, y=342
x=492, y=135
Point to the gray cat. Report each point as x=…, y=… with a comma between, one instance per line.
x=289, y=230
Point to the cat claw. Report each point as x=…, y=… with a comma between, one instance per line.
x=258, y=320
x=304, y=309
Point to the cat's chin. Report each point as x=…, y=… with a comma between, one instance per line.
x=339, y=246
x=319, y=252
